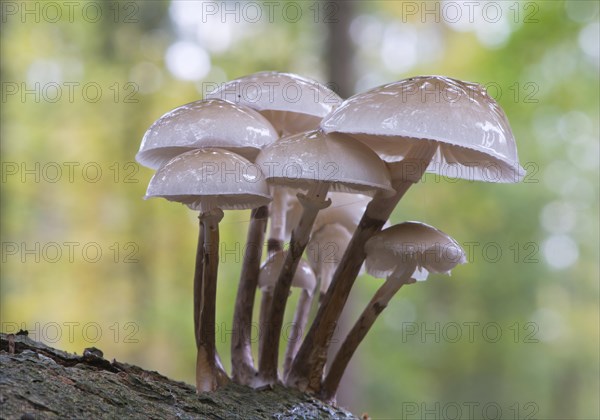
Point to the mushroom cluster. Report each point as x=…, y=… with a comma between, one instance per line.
x=324, y=174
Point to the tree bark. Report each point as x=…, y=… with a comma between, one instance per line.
x=38, y=381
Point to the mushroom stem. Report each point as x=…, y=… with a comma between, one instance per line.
x=278, y=216
x=209, y=374
x=298, y=325
x=323, y=276
x=314, y=201
x=198, y=271
x=378, y=303
x=307, y=368
x=242, y=364
x=265, y=306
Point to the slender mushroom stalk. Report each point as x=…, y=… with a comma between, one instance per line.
x=198, y=274
x=242, y=363
x=395, y=253
x=378, y=303
x=263, y=321
x=304, y=279
x=266, y=282
x=321, y=162
x=464, y=132
x=208, y=375
x=314, y=201
x=202, y=179
x=330, y=243
x=278, y=218
x=298, y=325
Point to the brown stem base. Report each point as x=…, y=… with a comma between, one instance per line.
x=298, y=325
x=242, y=364
x=209, y=374
x=198, y=272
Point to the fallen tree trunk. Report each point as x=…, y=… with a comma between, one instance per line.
x=37, y=381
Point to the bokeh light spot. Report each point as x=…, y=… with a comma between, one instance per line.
x=187, y=61
x=560, y=251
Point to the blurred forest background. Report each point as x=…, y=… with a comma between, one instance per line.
x=87, y=262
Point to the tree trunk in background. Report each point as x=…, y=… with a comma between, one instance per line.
x=341, y=75
x=340, y=49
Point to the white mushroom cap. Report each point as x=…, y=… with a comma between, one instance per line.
x=325, y=250
x=346, y=209
x=290, y=102
x=202, y=124
x=269, y=273
x=210, y=178
x=472, y=130
x=344, y=163
x=431, y=249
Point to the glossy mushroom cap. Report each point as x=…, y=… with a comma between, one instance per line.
x=475, y=138
x=210, y=178
x=202, y=124
x=431, y=249
x=269, y=272
x=290, y=102
x=344, y=163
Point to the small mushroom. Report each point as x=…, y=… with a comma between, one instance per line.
x=234, y=127
x=402, y=254
x=209, y=180
x=304, y=278
x=315, y=162
x=417, y=124
x=292, y=104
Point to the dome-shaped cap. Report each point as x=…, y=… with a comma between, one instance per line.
x=474, y=136
x=210, y=178
x=269, y=273
x=292, y=103
x=344, y=163
x=430, y=248
x=202, y=124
